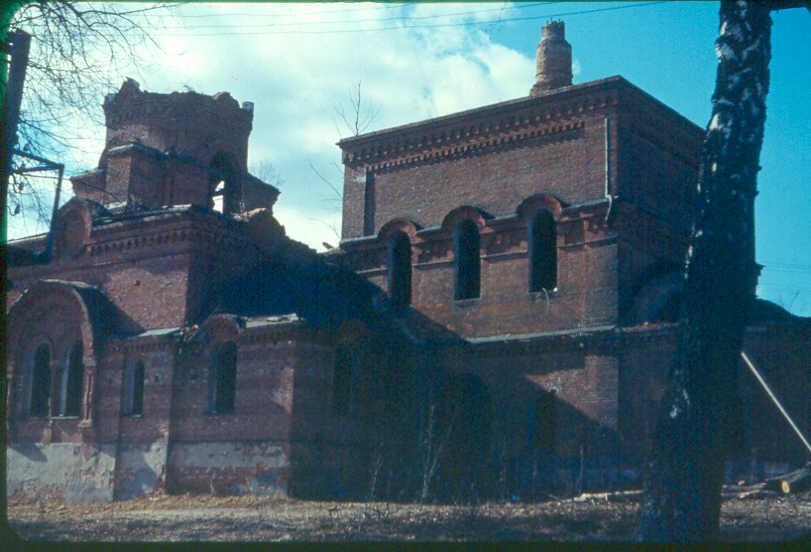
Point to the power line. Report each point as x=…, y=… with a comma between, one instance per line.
x=426, y=26
x=344, y=9
x=343, y=21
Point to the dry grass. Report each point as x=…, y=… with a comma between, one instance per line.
x=252, y=518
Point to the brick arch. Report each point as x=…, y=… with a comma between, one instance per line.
x=477, y=215
x=530, y=205
x=219, y=328
x=47, y=297
x=72, y=227
x=220, y=340
x=402, y=224
x=658, y=300
x=41, y=315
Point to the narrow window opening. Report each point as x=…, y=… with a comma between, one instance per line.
x=224, y=194
x=399, y=249
x=217, y=196
x=369, y=204
x=222, y=384
x=341, y=382
x=134, y=390
x=40, y=382
x=73, y=382
x=468, y=262
x=542, y=252
x=138, y=389
x=545, y=414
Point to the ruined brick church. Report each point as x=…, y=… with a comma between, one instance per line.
x=499, y=318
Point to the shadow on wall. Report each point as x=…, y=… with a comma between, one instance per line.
x=428, y=434
x=30, y=451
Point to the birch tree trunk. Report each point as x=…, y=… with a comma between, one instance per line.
x=682, y=498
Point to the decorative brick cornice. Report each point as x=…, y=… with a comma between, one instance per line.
x=461, y=143
x=551, y=116
x=136, y=345
x=210, y=239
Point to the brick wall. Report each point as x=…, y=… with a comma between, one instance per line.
x=192, y=124
x=587, y=277
x=559, y=144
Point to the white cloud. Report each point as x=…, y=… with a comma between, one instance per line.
x=309, y=226
x=296, y=80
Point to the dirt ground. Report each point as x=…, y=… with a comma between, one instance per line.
x=252, y=518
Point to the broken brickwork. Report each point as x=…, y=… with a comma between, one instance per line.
x=498, y=320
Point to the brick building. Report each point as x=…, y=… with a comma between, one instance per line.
x=499, y=317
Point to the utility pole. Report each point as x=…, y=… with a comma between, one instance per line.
x=18, y=45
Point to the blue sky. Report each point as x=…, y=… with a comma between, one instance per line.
x=299, y=63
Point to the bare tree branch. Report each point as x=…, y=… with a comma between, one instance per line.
x=76, y=51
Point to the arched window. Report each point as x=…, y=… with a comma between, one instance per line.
x=466, y=252
x=40, y=382
x=134, y=390
x=399, y=251
x=543, y=256
x=224, y=194
x=70, y=396
x=223, y=379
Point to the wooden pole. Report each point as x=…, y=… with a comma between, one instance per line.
x=774, y=399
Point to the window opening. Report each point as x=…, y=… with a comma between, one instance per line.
x=463, y=421
x=217, y=196
x=399, y=250
x=341, y=382
x=72, y=382
x=134, y=390
x=40, y=382
x=545, y=414
x=467, y=257
x=542, y=252
x=222, y=384
x=138, y=389
x=224, y=196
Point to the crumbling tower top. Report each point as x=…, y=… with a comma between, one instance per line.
x=553, y=59
x=187, y=123
x=175, y=149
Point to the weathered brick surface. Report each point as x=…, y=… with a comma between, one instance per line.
x=167, y=286
x=560, y=144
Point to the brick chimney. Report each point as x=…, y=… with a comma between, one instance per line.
x=553, y=59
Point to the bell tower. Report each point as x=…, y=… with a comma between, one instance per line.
x=173, y=149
